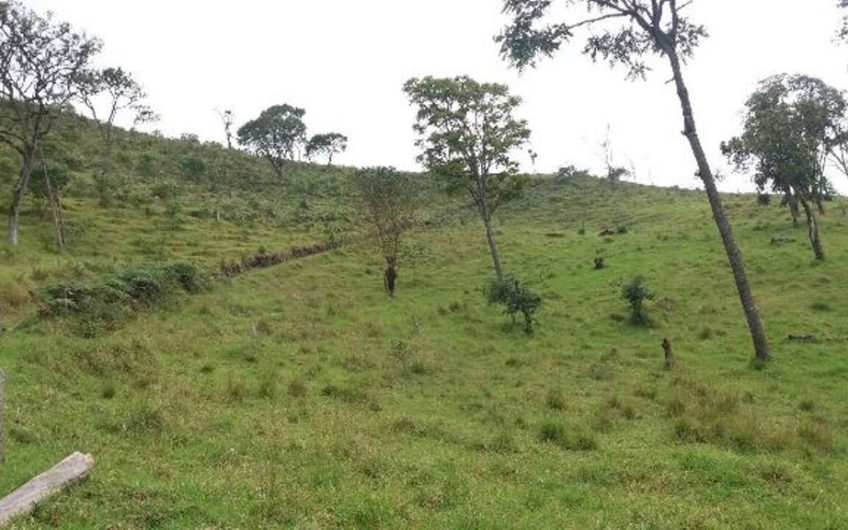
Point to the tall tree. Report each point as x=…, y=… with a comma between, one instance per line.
x=278, y=135
x=41, y=63
x=467, y=134
x=106, y=94
x=327, y=144
x=388, y=202
x=628, y=33
x=790, y=124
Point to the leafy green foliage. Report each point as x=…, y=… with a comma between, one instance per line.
x=388, y=201
x=790, y=124
x=327, y=144
x=516, y=297
x=636, y=294
x=277, y=135
x=467, y=135
x=105, y=305
x=645, y=29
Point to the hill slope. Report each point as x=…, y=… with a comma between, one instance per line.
x=301, y=396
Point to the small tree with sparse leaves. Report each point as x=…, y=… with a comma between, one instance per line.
x=516, y=297
x=636, y=294
x=468, y=136
x=388, y=201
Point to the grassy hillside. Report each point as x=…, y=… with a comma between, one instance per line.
x=302, y=396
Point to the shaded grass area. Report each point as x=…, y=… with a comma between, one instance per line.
x=302, y=396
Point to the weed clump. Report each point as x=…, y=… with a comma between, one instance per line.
x=636, y=294
x=575, y=440
x=516, y=298
x=104, y=306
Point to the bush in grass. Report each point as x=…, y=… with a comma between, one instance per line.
x=516, y=298
x=636, y=294
x=106, y=304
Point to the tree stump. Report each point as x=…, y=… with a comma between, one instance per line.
x=669, y=354
x=390, y=279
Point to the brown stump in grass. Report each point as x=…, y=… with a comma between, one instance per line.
x=669, y=354
x=390, y=278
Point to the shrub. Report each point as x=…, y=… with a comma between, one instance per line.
x=187, y=276
x=516, y=298
x=636, y=294
x=108, y=303
x=576, y=440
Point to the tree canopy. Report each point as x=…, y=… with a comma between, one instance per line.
x=388, y=202
x=790, y=124
x=108, y=92
x=278, y=135
x=467, y=136
x=326, y=144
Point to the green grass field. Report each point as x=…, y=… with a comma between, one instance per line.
x=302, y=396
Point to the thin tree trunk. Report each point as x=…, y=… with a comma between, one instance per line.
x=55, y=206
x=56, y=210
x=758, y=334
x=793, y=208
x=493, y=244
x=813, y=228
x=28, y=160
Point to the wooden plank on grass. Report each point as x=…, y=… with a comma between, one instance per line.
x=23, y=500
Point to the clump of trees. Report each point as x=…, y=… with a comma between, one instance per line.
x=387, y=200
x=279, y=136
x=629, y=33
x=42, y=67
x=791, y=124
x=467, y=136
x=326, y=144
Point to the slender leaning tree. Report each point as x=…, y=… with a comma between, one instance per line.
x=468, y=136
x=628, y=33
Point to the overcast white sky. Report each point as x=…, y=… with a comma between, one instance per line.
x=344, y=61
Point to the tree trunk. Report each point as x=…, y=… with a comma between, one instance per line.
x=758, y=334
x=28, y=160
x=493, y=244
x=793, y=208
x=56, y=210
x=390, y=276
x=813, y=228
